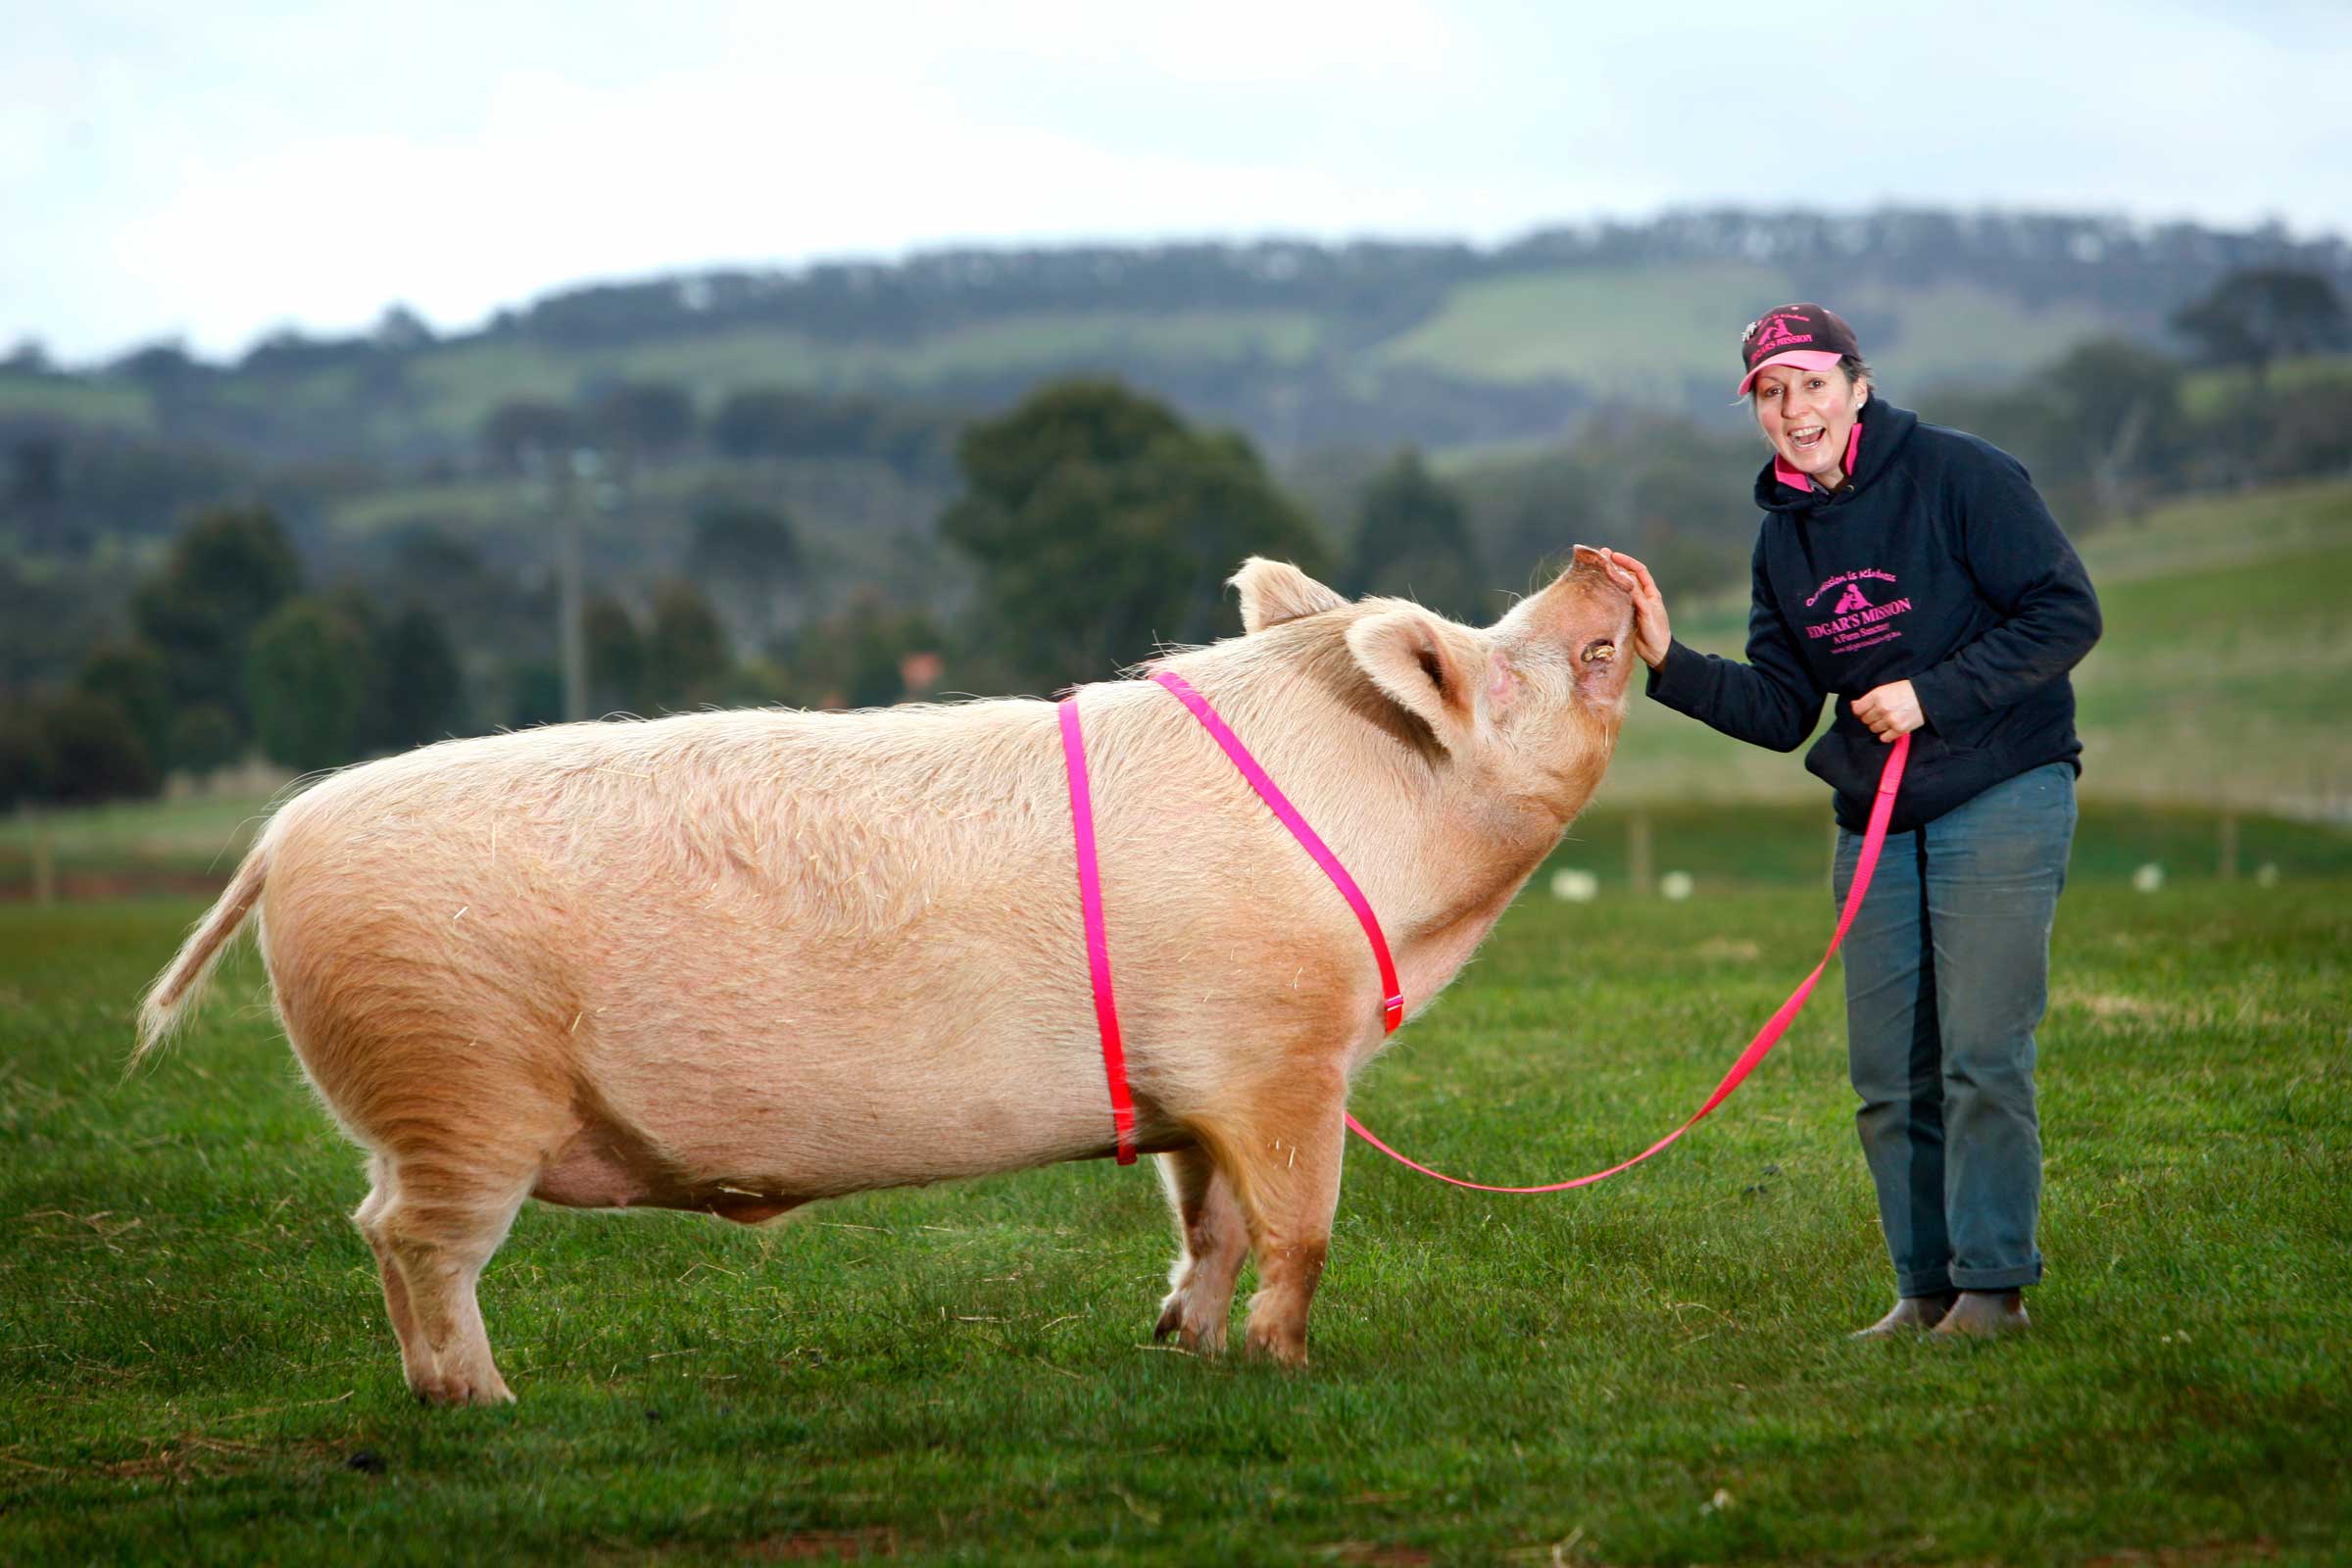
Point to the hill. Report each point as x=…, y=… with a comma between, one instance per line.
x=1297, y=344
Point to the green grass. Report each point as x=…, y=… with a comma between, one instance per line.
x=83, y=400
x=193, y=1352
x=467, y=381
x=1634, y=331
x=1646, y=333
x=2210, y=392
x=196, y=836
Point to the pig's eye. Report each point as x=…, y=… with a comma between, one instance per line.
x=1600, y=652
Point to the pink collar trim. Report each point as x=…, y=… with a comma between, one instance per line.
x=1090, y=888
x=1795, y=480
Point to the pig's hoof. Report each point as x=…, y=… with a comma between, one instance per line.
x=1199, y=1337
x=460, y=1391
x=1281, y=1346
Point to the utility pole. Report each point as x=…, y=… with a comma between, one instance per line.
x=585, y=467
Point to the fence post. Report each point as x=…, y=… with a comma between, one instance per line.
x=1637, y=854
x=2228, y=869
x=44, y=860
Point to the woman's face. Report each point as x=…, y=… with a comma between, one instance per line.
x=1807, y=416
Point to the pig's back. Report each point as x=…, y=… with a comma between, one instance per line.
x=828, y=818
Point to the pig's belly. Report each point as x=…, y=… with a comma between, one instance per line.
x=676, y=1118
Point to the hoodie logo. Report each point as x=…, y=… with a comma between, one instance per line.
x=1854, y=623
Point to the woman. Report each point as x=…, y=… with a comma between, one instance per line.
x=1912, y=572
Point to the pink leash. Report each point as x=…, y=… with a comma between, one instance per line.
x=1098, y=949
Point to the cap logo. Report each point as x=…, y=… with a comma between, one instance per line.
x=1771, y=333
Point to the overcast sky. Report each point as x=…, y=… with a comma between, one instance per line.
x=214, y=172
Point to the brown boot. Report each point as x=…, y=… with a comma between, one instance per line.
x=1912, y=1315
x=1986, y=1314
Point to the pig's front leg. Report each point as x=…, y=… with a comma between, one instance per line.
x=1282, y=1155
x=1215, y=1238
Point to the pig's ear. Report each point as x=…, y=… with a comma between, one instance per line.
x=1406, y=654
x=1275, y=591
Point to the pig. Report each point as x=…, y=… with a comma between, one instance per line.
x=738, y=961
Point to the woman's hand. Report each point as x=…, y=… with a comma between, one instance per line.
x=1891, y=709
x=1652, y=633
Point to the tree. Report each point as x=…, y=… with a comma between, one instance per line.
x=30, y=357
x=2259, y=314
x=94, y=751
x=750, y=554
x=306, y=676
x=34, y=495
x=686, y=656
x=2123, y=416
x=535, y=693
x=1414, y=542
x=774, y=422
x=1102, y=525
x=228, y=570
x=401, y=329
x=615, y=656
x=519, y=427
x=417, y=681
x=2310, y=433
x=27, y=765
x=857, y=657
x=647, y=420
x=203, y=737
x=131, y=675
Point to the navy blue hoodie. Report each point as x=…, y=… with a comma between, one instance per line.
x=1936, y=563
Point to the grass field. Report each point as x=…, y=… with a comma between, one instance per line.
x=468, y=380
x=195, y=1366
x=1647, y=334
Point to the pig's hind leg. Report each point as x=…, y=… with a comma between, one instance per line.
x=1280, y=1149
x=432, y=1225
x=1215, y=1238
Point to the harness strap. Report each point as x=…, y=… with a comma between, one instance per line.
x=1098, y=940
x=1391, y=1005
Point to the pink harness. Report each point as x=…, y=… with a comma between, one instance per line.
x=1392, y=1011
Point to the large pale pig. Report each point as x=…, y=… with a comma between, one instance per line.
x=739, y=962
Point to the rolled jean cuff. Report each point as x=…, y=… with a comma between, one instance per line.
x=1939, y=1283
x=2014, y=1278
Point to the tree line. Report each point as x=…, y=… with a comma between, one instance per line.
x=1097, y=523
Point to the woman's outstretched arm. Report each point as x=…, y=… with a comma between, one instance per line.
x=1770, y=700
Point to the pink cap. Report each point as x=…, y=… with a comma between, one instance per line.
x=1802, y=359
x=1811, y=337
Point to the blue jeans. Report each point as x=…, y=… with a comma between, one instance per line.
x=1947, y=975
